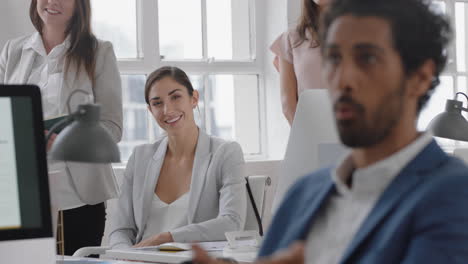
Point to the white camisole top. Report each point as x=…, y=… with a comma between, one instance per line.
x=165, y=217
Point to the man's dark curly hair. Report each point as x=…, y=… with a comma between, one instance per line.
x=419, y=32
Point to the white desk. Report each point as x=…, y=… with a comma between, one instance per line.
x=74, y=260
x=152, y=257
x=173, y=257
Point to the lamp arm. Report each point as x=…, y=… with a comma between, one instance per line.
x=69, y=118
x=83, y=92
x=466, y=96
x=59, y=124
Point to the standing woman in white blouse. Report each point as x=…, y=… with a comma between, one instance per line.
x=185, y=187
x=61, y=57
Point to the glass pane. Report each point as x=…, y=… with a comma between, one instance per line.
x=136, y=116
x=228, y=26
x=180, y=29
x=462, y=88
x=460, y=40
x=118, y=25
x=232, y=110
x=438, y=6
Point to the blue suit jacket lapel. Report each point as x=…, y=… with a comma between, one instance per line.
x=311, y=207
x=403, y=184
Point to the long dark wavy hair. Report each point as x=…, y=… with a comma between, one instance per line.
x=309, y=22
x=83, y=48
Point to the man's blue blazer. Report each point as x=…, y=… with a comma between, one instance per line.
x=421, y=218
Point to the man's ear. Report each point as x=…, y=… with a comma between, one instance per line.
x=421, y=79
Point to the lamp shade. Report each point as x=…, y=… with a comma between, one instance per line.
x=85, y=139
x=450, y=124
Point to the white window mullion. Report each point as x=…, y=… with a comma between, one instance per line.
x=204, y=22
x=263, y=117
x=452, y=48
x=253, y=28
x=149, y=33
x=207, y=94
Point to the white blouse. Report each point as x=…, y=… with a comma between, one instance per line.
x=165, y=217
x=47, y=73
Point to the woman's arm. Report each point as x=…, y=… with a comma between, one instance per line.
x=123, y=230
x=108, y=90
x=288, y=89
x=276, y=63
x=232, y=202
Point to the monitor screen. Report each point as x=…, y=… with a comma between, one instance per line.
x=24, y=191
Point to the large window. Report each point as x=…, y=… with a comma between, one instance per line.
x=454, y=77
x=212, y=40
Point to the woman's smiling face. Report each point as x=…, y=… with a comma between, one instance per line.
x=171, y=105
x=55, y=12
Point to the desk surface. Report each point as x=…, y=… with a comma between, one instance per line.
x=74, y=260
x=160, y=257
x=174, y=257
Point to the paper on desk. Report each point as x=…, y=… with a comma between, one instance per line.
x=174, y=246
x=84, y=261
x=213, y=246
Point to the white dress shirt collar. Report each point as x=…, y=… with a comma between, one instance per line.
x=36, y=43
x=376, y=177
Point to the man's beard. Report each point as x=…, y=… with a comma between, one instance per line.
x=361, y=133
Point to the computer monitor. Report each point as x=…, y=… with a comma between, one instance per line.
x=25, y=216
x=313, y=141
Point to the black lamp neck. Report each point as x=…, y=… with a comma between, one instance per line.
x=88, y=113
x=453, y=106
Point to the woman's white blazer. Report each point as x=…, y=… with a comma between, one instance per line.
x=93, y=183
x=217, y=201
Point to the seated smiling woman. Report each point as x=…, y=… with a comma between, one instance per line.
x=186, y=187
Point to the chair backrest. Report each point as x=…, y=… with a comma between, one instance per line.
x=313, y=142
x=258, y=185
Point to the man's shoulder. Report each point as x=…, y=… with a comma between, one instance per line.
x=452, y=173
x=309, y=185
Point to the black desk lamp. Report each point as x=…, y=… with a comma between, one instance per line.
x=83, y=139
x=451, y=124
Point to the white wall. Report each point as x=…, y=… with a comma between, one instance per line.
x=277, y=127
x=279, y=16
x=294, y=11
x=14, y=20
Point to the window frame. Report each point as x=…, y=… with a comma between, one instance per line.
x=148, y=59
x=451, y=67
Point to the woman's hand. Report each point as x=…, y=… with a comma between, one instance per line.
x=51, y=139
x=156, y=240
